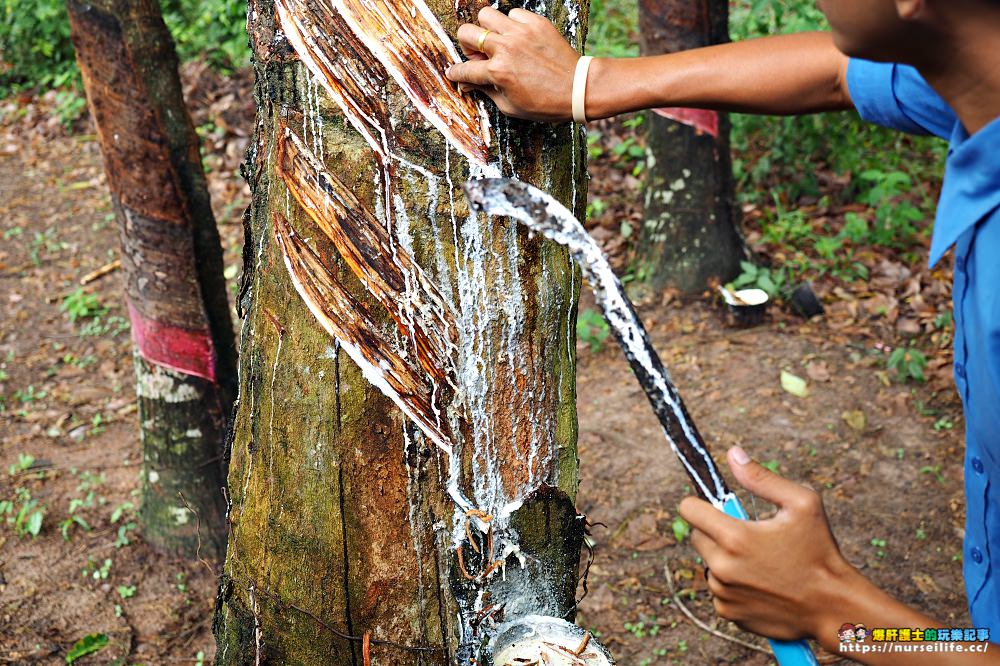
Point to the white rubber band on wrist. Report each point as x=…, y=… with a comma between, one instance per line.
x=580, y=89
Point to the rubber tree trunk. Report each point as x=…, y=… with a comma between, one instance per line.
x=185, y=355
x=347, y=519
x=690, y=234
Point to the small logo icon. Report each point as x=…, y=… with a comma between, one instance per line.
x=848, y=632
x=861, y=633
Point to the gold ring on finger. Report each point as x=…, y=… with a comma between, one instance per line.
x=482, y=40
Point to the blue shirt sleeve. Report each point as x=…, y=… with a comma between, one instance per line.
x=896, y=96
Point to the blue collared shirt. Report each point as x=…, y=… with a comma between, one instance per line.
x=968, y=217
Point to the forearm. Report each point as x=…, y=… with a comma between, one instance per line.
x=854, y=599
x=783, y=75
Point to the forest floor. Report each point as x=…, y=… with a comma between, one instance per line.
x=887, y=454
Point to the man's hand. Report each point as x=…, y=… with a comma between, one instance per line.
x=772, y=577
x=525, y=66
x=785, y=577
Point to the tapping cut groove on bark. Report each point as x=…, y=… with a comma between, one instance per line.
x=350, y=321
x=411, y=46
x=346, y=68
x=386, y=270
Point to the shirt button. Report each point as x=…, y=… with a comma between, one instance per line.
x=960, y=264
x=977, y=555
x=977, y=465
x=960, y=370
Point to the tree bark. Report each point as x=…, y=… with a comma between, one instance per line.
x=185, y=354
x=348, y=520
x=690, y=234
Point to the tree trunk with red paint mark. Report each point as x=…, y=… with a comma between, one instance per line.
x=690, y=233
x=185, y=356
x=341, y=522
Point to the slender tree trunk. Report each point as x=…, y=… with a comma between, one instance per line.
x=690, y=233
x=370, y=291
x=185, y=355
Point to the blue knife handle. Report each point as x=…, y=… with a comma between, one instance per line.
x=787, y=653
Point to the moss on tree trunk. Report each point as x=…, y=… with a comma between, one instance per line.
x=340, y=522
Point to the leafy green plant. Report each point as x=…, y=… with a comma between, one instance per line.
x=895, y=215
x=769, y=152
x=213, y=30
x=45, y=242
x=908, y=363
x=613, y=29
x=66, y=526
x=594, y=148
x=855, y=228
x=79, y=362
x=95, y=571
x=592, y=330
x=89, y=644
x=122, y=538
x=640, y=629
x=629, y=154
x=754, y=276
x=943, y=423
x=30, y=394
x=23, y=464
x=87, y=485
x=97, y=424
x=680, y=528
x=101, y=326
x=70, y=105
x=38, y=53
x=785, y=226
x=24, y=514
x=596, y=207
x=81, y=305
x=34, y=40
x=935, y=471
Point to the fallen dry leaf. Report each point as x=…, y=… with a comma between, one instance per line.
x=794, y=384
x=855, y=419
x=818, y=372
x=925, y=583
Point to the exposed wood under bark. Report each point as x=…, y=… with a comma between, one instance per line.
x=349, y=320
x=387, y=270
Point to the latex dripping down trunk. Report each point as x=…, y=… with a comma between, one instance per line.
x=542, y=214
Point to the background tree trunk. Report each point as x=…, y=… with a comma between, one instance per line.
x=185, y=358
x=340, y=520
x=690, y=233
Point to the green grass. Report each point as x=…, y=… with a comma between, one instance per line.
x=777, y=161
x=37, y=54
x=769, y=153
x=613, y=30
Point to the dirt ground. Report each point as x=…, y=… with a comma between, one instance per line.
x=886, y=455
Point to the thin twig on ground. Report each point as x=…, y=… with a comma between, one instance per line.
x=682, y=607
